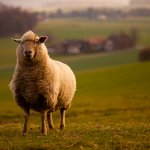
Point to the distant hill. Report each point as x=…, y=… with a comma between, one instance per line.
x=53, y=5
x=65, y=4
x=140, y=3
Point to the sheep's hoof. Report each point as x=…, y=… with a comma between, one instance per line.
x=44, y=134
x=24, y=133
x=51, y=127
x=62, y=126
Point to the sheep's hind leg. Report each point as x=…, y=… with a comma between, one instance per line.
x=62, y=117
x=50, y=120
x=43, y=119
x=26, y=117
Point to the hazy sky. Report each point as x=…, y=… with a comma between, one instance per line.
x=53, y=4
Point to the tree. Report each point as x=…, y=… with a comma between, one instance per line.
x=15, y=21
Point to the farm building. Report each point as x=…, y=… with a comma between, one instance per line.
x=117, y=41
x=68, y=47
x=93, y=44
x=122, y=40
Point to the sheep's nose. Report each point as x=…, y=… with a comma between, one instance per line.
x=28, y=52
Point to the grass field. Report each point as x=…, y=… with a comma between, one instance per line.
x=83, y=28
x=77, y=28
x=110, y=110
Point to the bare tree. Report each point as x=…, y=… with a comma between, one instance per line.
x=15, y=21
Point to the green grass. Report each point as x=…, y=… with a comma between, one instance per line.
x=77, y=63
x=85, y=136
x=83, y=28
x=111, y=107
x=61, y=29
x=7, y=52
x=101, y=60
x=110, y=111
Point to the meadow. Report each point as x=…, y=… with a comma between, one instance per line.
x=84, y=28
x=111, y=107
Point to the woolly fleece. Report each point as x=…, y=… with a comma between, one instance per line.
x=41, y=83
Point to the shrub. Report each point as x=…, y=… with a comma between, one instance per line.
x=15, y=20
x=144, y=54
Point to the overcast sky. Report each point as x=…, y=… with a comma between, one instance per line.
x=54, y=4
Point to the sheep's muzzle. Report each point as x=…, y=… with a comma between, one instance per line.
x=28, y=54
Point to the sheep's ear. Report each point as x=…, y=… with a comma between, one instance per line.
x=43, y=39
x=16, y=40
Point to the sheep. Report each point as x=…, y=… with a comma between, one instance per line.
x=40, y=83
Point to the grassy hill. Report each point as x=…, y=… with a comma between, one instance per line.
x=83, y=28
x=111, y=107
x=62, y=29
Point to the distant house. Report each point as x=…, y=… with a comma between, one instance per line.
x=93, y=44
x=117, y=41
x=108, y=45
x=122, y=41
x=72, y=46
x=68, y=47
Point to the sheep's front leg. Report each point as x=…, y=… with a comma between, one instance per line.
x=62, y=117
x=50, y=120
x=43, y=119
x=26, y=117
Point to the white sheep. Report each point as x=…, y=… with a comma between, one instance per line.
x=41, y=83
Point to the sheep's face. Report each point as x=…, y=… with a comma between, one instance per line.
x=29, y=49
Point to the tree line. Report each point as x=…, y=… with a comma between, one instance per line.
x=15, y=20
x=110, y=13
